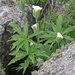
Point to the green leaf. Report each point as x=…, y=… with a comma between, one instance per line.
x=20, y=4
x=26, y=46
x=59, y=23
x=19, y=68
x=26, y=63
x=13, y=53
x=44, y=39
x=21, y=54
x=23, y=4
x=31, y=56
x=50, y=32
x=69, y=29
x=49, y=41
x=45, y=35
x=34, y=34
x=32, y=41
x=40, y=53
x=20, y=45
x=25, y=30
x=16, y=36
x=17, y=44
x=52, y=43
x=15, y=59
x=46, y=48
x=54, y=27
x=42, y=27
x=62, y=43
x=16, y=28
x=68, y=38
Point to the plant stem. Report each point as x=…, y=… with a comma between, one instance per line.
x=58, y=45
x=31, y=68
x=37, y=37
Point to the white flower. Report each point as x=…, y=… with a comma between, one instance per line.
x=31, y=44
x=36, y=8
x=34, y=26
x=59, y=35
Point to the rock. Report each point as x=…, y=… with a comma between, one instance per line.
x=1, y=71
x=15, y=15
x=61, y=7
x=62, y=64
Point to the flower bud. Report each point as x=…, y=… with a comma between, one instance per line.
x=59, y=36
x=34, y=27
x=36, y=11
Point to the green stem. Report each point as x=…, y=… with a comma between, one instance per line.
x=36, y=20
x=58, y=44
x=31, y=68
x=37, y=37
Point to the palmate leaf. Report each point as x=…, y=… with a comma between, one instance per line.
x=49, y=41
x=15, y=59
x=19, y=55
x=20, y=45
x=16, y=28
x=26, y=63
x=14, y=37
x=29, y=40
x=13, y=53
x=68, y=38
x=40, y=53
x=19, y=68
x=59, y=23
x=46, y=48
x=34, y=34
x=17, y=44
x=37, y=46
x=31, y=56
x=26, y=44
x=25, y=30
x=69, y=29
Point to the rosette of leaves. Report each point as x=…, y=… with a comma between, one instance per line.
x=50, y=35
x=22, y=48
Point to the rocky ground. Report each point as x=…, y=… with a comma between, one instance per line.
x=61, y=64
